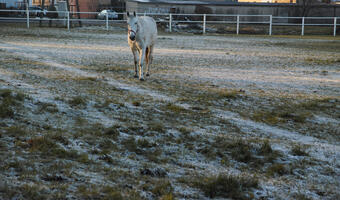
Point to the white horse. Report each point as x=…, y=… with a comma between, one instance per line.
x=142, y=35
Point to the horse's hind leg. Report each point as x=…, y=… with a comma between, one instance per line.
x=149, y=60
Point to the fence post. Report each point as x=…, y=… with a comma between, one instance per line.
x=334, y=33
x=68, y=20
x=27, y=17
x=271, y=24
x=303, y=26
x=238, y=25
x=204, y=22
x=107, y=21
x=170, y=22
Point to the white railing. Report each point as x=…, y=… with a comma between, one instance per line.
x=172, y=19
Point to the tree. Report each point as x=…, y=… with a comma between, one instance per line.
x=305, y=6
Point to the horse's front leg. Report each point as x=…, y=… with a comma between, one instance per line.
x=135, y=59
x=141, y=63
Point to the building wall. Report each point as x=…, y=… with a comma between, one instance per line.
x=46, y=4
x=104, y=2
x=85, y=6
x=240, y=9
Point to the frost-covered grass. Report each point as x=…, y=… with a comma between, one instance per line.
x=220, y=116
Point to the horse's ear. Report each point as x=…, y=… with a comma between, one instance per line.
x=134, y=13
x=128, y=14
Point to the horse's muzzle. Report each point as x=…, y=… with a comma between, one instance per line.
x=132, y=37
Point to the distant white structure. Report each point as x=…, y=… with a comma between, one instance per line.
x=61, y=7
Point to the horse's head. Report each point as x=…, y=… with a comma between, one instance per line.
x=132, y=22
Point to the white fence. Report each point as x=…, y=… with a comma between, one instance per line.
x=171, y=20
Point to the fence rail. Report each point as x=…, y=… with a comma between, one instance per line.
x=172, y=20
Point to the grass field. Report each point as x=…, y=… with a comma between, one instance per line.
x=221, y=116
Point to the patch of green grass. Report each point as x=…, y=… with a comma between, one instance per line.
x=174, y=108
x=277, y=169
x=42, y=144
x=228, y=94
x=142, y=147
x=107, y=158
x=269, y=155
x=107, y=146
x=77, y=101
x=168, y=197
x=297, y=150
x=84, y=158
x=111, y=193
x=8, y=192
x=59, y=137
x=162, y=188
x=15, y=131
x=47, y=107
x=185, y=130
x=319, y=104
x=130, y=144
x=88, y=192
x=299, y=117
x=266, y=148
x=154, y=155
x=9, y=101
x=86, y=78
x=295, y=112
x=323, y=61
x=227, y=186
x=19, y=166
x=241, y=151
x=300, y=196
x=209, y=152
x=81, y=121
x=136, y=103
x=112, y=132
x=266, y=117
x=5, y=93
x=144, y=143
x=32, y=192
x=282, y=115
x=49, y=147
x=104, y=104
x=156, y=126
